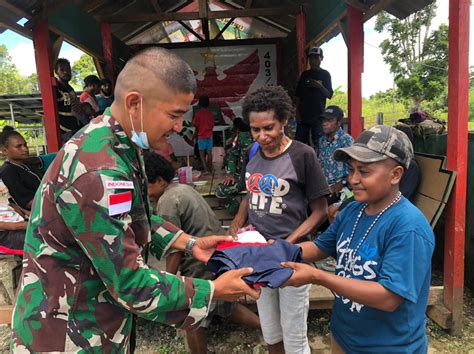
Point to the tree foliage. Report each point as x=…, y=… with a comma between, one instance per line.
x=416, y=55
x=82, y=68
x=11, y=80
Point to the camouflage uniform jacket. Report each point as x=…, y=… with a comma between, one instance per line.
x=83, y=273
x=236, y=155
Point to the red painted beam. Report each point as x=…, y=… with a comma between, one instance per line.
x=356, y=66
x=107, y=50
x=300, y=42
x=458, y=88
x=47, y=84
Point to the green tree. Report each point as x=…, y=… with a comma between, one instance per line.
x=11, y=81
x=417, y=56
x=80, y=69
x=32, y=83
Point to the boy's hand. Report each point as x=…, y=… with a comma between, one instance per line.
x=230, y=286
x=302, y=274
x=336, y=187
x=205, y=246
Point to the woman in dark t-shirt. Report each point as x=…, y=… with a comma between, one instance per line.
x=21, y=180
x=283, y=178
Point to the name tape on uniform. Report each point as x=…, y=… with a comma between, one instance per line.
x=119, y=185
x=120, y=203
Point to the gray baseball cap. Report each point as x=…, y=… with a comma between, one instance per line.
x=376, y=144
x=315, y=51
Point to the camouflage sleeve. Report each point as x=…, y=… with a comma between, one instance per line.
x=109, y=243
x=163, y=235
x=234, y=155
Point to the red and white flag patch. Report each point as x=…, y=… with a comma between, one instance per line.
x=120, y=203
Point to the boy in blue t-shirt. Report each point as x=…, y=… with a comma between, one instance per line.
x=383, y=246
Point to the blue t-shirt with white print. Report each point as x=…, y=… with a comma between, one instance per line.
x=396, y=254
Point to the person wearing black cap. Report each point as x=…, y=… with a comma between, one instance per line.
x=383, y=247
x=314, y=87
x=334, y=137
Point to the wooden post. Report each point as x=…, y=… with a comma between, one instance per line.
x=47, y=83
x=300, y=42
x=458, y=87
x=356, y=65
x=107, y=50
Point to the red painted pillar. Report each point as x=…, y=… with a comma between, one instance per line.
x=300, y=42
x=356, y=65
x=458, y=87
x=107, y=50
x=47, y=83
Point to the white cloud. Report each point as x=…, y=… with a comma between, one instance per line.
x=24, y=57
x=376, y=75
x=70, y=53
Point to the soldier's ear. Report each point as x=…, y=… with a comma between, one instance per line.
x=132, y=103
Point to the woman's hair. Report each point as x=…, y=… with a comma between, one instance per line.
x=6, y=134
x=268, y=98
x=91, y=80
x=157, y=166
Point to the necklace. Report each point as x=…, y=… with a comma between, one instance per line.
x=25, y=168
x=352, y=258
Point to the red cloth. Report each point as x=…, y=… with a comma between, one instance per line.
x=6, y=250
x=86, y=97
x=229, y=244
x=204, y=122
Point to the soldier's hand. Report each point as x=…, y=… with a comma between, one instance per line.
x=205, y=246
x=230, y=286
x=228, y=181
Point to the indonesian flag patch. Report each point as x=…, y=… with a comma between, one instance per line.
x=120, y=203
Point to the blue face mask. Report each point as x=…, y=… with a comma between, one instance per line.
x=140, y=139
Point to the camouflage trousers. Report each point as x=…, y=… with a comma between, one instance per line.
x=230, y=193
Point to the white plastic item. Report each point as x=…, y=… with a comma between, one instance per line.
x=251, y=237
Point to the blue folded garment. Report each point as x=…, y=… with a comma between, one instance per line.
x=264, y=259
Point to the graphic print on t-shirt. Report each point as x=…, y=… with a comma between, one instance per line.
x=267, y=192
x=280, y=188
x=359, y=266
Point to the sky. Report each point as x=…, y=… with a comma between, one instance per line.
x=376, y=76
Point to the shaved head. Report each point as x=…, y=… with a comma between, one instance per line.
x=154, y=71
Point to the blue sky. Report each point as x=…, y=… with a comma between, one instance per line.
x=376, y=76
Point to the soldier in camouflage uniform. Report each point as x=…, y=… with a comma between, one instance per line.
x=83, y=272
x=234, y=182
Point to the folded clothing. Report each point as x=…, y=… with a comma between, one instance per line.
x=263, y=258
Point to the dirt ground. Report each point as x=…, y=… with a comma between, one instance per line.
x=224, y=338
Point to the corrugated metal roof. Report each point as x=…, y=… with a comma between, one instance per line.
x=26, y=108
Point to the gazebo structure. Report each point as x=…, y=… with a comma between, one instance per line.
x=111, y=31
